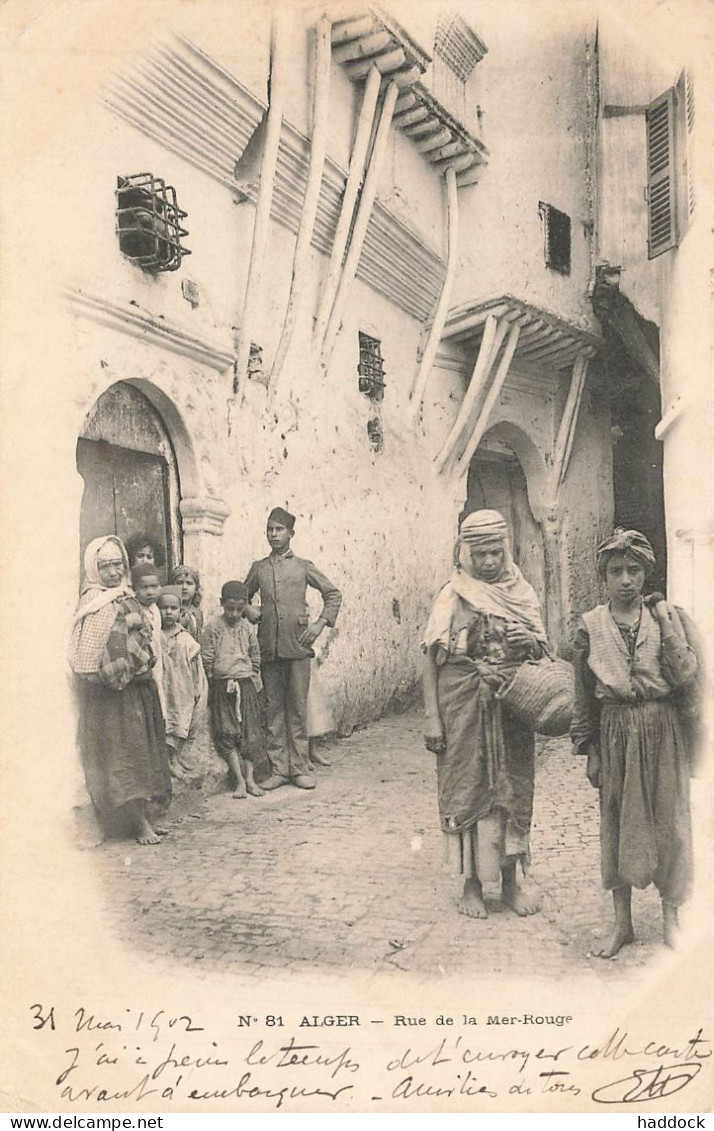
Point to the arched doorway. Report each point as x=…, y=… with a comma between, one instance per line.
x=130, y=473
x=496, y=480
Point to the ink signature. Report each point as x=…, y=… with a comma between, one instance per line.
x=647, y=1084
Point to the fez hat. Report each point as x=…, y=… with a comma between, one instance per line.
x=283, y=517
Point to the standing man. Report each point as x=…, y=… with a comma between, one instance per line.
x=286, y=638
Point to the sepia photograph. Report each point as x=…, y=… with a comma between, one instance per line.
x=357, y=513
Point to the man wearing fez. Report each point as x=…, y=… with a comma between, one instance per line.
x=286, y=638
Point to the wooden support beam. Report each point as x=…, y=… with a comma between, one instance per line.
x=354, y=178
x=568, y=422
x=424, y=127
x=442, y=309
x=279, y=50
x=471, y=176
x=434, y=141
x=360, y=48
x=471, y=321
x=491, y=397
x=473, y=392
x=411, y=117
x=318, y=151
x=384, y=62
x=460, y=162
x=352, y=29
x=364, y=211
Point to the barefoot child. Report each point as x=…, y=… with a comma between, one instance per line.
x=629, y=659
x=231, y=657
x=185, y=688
x=189, y=583
x=147, y=586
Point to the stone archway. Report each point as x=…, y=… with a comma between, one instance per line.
x=497, y=480
x=131, y=477
x=136, y=416
x=508, y=468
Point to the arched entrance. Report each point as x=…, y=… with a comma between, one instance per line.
x=130, y=473
x=496, y=480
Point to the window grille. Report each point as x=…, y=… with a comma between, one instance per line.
x=371, y=367
x=556, y=234
x=149, y=223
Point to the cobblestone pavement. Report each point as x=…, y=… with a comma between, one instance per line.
x=352, y=875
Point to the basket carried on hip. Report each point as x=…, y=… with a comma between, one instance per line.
x=541, y=695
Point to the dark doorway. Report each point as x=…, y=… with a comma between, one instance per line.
x=496, y=481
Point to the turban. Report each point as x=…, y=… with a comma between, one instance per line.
x=283, y=517
x=171, y=591
x=234, y=591
x=629, y=542
x=483, y=526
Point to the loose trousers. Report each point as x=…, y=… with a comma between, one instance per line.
x=286, y=684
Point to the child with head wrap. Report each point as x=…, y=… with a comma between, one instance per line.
x=231, y=657
x=630, y=656
x=185, y=688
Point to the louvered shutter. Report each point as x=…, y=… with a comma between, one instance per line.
x=661, y=196
x=689, y=141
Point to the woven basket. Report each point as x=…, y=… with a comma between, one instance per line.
x=541, y=695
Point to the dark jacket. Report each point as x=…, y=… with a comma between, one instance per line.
x=282, y=581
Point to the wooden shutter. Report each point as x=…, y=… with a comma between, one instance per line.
x=688, y=140
x=661, y=178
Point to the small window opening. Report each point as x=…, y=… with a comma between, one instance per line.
x=371, y=367
x=375, y=433
x=149, y=223
x=556, y=233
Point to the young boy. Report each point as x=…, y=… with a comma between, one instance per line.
x=184, y=680
x=146, y=583
x=231, y=657
x=286, y=638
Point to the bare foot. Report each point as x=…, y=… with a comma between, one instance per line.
x=522, y=902
x=176, y=769
x=620, y=937
x=161, y=830
x=240, y=792
x=670, y=925
x=471, y=902
x=144, y=832
x=254, y=790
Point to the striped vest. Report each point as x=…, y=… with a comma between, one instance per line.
x=619, y=675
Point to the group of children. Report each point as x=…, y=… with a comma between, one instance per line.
x=257, y=704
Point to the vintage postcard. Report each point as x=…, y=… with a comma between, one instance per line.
x=357, y=543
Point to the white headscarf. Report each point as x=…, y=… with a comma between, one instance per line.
x=509, y=596
x=96, y=613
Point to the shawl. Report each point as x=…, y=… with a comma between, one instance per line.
x=510, y=596
x=97, y=609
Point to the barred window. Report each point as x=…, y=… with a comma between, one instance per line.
x=371, y=367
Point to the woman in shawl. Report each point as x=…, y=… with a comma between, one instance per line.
x=121, y=730
x=484, y=624
x=630, y=656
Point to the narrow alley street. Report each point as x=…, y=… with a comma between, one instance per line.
x=352, y=876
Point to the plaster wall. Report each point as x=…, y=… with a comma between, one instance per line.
x=532, y=159
x=380, y=524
